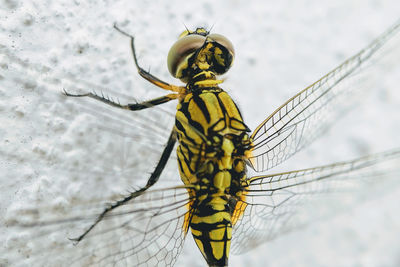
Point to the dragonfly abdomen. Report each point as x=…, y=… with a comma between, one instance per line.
x=212, y=230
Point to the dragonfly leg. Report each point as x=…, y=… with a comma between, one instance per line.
x=132, y=106
x=150, y=182
x=145, y=74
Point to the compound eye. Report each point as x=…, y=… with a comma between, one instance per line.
x=222, y=40
x=182, y=48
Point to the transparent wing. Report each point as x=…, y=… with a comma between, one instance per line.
x=278, y=203
x=146, y=231
x=309, y=113
x=79, y=140
x=72, y=156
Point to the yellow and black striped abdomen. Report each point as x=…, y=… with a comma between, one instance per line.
x=212, y=137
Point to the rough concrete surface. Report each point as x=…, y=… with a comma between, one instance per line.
x=57, y=151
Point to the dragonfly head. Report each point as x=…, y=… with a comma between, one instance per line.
x=199, y=51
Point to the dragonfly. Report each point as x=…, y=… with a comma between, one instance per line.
x=224, y=208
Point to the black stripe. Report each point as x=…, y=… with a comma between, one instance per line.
x=179, y=126
x=245, y=128
x=202, y=105
x=191, y=123
x=179, y=161
x=188, y=160
x=221, y=104
x=208, y=227
x=182, y=129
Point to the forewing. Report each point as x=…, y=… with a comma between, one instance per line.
x=278, y=203
x=73, y=156
x=305, y=116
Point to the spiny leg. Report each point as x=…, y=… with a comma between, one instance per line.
x=145, y=74
x=150, y=182
x=134, y=106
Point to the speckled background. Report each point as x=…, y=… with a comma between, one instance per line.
x=56, y=150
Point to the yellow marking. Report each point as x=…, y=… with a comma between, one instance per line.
x=219, y=180
x=228, y=244
x=193, y=163
x=199, y=74
x=186, y=172
x=219, y=207
x=210, y=168
x=217, y=234
x=196, y=232
x=202, y=61
x=217, y=55
x=215, y=218
x=203, y=65
x=229, y=234
x=205, y=181
x=221, y=125
x=222, y=180
x=227, y=147
x=182, y=66
x=200, y=199
x=217, y=200
x=237, y=125
x=208, y=83
x=198, y=31
x=217, y=249
x=239, y=166
x=213, y=107
x=200, y=245
x=197, y=115
x=201, y=30
x=231, y=108
x=207, y=74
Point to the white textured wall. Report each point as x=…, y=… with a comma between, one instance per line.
x=280, y=48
